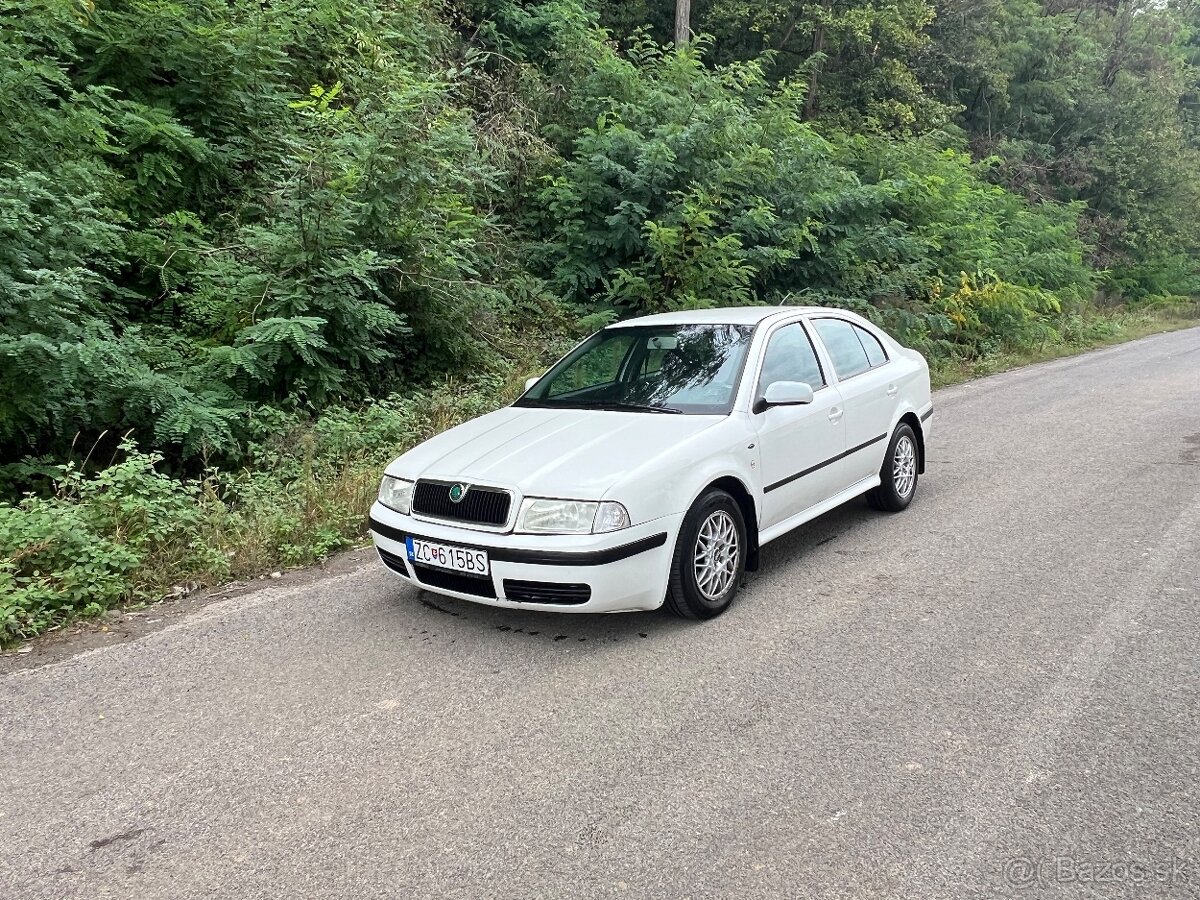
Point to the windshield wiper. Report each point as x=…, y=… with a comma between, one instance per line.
x=634, y=407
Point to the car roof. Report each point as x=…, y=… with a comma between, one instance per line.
x=729, y=315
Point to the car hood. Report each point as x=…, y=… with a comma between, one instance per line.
x=568, y=453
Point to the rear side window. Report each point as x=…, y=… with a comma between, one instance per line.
x=845, y=349
x=876, y=355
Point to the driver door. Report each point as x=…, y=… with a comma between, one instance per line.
x=797, y=443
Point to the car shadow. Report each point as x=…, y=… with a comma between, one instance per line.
x=812, y=536
x=430, y=616
x=434, y=616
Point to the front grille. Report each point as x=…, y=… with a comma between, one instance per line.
x=546, y=592
x=455, y=581
x=480, y=505
x=393, y=562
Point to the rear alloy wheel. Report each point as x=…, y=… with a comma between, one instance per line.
x=898, y=475
x=710, y=558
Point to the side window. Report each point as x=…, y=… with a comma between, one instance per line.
x=790, y=357
x=598, y=368
x=876, y=355
x=845, y=349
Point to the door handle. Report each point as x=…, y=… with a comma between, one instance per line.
x=892, y=390
x=835, y=415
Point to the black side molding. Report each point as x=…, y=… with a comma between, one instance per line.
x=580, y=557
x=392, y=534
x=542, y=557
x=821, y=465
x=926, y=415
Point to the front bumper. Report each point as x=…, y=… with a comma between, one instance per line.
x=615, y=572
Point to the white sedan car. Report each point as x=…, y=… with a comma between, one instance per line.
x=654, y=460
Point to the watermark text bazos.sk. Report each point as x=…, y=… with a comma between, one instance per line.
x=1032, y=871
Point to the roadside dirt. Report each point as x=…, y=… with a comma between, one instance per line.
x=121, y=625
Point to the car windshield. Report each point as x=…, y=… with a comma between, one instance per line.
x=655, y=369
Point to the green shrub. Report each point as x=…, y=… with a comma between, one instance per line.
x=129, y=531
x=53, y=566
x=78, y=551
x=209, y=207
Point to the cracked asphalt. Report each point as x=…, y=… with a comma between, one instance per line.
x=992, y=694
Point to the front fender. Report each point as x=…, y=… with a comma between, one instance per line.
x=670, y=484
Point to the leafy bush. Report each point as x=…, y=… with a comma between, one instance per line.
x=76, y=552
x=53, y=567
x=688, y=186
x=129, y=531
x=195, y=220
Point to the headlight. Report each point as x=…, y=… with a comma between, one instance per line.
x=570, y=516
x=396, y=493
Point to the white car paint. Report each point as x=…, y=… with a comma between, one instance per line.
x=793, y=462
x=572, y=453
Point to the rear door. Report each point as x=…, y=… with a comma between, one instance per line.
x=796, y=443
x=864, y=378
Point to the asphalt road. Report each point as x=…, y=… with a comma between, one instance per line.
x=995, y=693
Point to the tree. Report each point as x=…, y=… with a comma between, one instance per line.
x=858, y=57
x=1084, y=103
x=683, y=22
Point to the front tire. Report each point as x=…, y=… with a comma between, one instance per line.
x=898, y=475
x=710, y=558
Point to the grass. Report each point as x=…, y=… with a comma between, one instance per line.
x=1119, y=327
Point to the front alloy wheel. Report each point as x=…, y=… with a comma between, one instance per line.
x=716, y=555
x=898, y=475
x=710, y=557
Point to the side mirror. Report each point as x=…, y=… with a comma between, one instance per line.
x=787, y=393
x=530, y=382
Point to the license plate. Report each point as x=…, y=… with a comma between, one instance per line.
x=444, y=556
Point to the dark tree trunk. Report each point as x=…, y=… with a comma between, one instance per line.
x=818, y=45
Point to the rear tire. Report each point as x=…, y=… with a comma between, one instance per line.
x=898, y=475
x=710, y=558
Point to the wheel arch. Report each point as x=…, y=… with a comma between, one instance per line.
x=736, y=488
x=911, y=419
